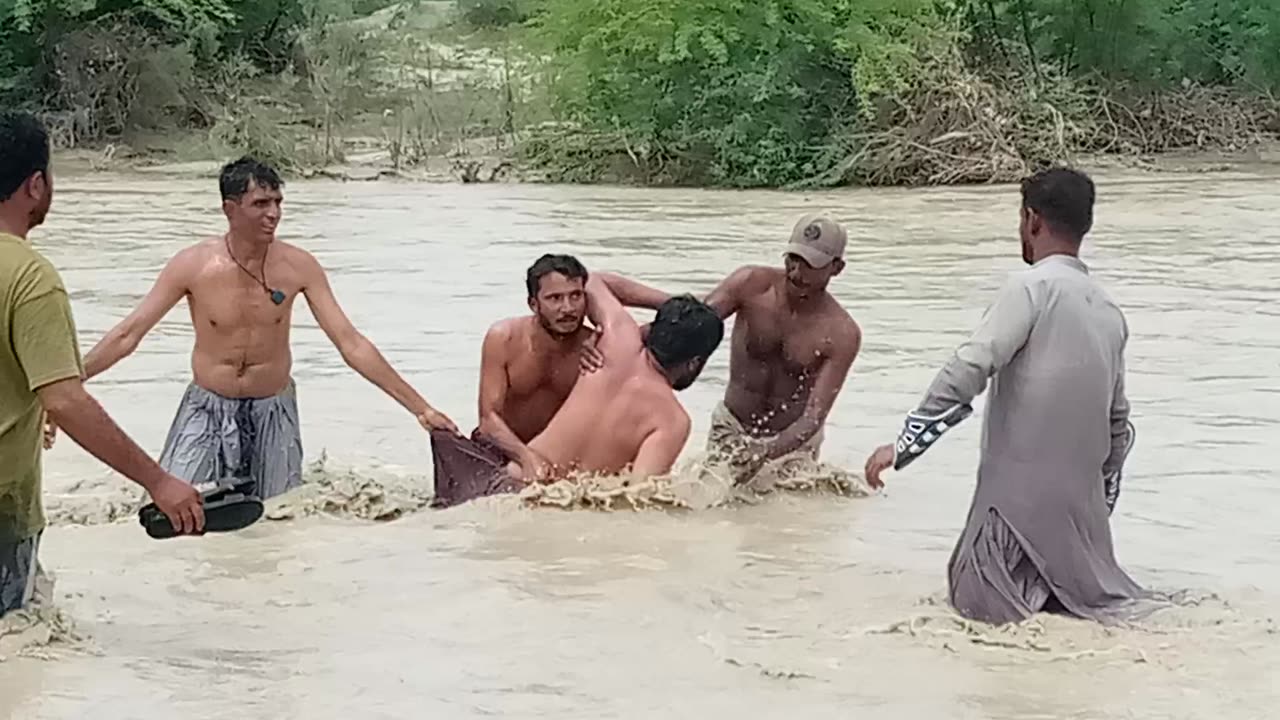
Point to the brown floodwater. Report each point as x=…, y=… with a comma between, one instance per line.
x=795, y=607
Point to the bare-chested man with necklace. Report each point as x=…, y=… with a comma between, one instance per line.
x=239, y=417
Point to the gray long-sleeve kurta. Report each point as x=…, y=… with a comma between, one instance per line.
x=1054, y=439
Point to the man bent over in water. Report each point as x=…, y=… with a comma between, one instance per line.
x=240, y=416
x=528, y=367
x=625, y=415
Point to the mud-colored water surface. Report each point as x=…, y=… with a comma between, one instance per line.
x=353, y=600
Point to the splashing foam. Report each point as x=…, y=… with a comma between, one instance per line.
x=348, y=494
x=697, y=484
x=39, y=630
x=324, y=491
x=1183, y=616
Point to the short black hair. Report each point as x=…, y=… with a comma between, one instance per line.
x=235, y=177
x=566, y=265
x=1063, y=197
x=684, y=329
x=24, y=150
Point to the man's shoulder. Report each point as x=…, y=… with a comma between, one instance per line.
x=840, y=323
x=296, y=256
x=671, y=417
x=755, y=279
x=198, y=252
x=28, y=271
x=503, y=333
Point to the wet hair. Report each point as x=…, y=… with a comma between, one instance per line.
x=566, y=265
x=1063, y=197
x=684, y=329
x=235, y=177
x=24, y=150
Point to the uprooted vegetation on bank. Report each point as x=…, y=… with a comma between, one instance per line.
x=768, y=93
x=830, y=92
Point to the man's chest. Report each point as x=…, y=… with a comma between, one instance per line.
x=769, y=336
x=529, y=374
x=231, y=298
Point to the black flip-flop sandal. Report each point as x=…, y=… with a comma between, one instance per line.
x=227, y=507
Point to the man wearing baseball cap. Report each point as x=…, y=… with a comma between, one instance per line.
x=792, y=348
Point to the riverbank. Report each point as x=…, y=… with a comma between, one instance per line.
x=367, y=163
x=587, y=94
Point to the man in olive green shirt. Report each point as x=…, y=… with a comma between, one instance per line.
x=40, y=371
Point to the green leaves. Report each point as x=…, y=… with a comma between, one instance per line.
x=753, y=87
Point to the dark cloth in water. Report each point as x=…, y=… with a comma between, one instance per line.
x=468, y=468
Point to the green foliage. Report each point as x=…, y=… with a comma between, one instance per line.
x=749, y=88
x=497, y=13
x=1155, y=43
x=755, y=92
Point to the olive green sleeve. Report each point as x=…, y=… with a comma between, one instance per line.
x=44, y=331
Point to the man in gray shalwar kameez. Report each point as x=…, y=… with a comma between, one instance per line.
x=1056, y=430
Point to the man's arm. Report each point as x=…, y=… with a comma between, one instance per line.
x=357, y=351
x=658, y=452
x=1003, y=331
x=493, y=397
x=632, y=293
x=43, y=337
x=826, y=388
x=726, y=298
x=619, y=331
x=1123, y=436
x=121, y=340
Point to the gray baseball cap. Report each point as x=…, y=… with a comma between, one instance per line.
x=818, y=239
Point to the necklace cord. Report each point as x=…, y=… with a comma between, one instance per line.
x=263, y=281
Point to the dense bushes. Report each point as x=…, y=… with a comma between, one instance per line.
x=777, y=92
x=721, y=92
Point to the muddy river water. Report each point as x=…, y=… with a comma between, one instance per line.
x=799, y=606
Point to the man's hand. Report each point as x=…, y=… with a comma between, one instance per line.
x=748, y=466
x=181, y=504
x=432, y=419
x=877, y=462
x=590, y=359
x=50, y=432
x=535, y=468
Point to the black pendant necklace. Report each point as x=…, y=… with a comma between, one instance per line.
x=277, y=296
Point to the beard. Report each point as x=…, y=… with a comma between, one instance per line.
x=550, y=326
x=37, y=216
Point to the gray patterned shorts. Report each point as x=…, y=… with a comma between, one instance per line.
x=18, y=569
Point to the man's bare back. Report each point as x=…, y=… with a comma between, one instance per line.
x=778, y=351
x=625, y=416
x=529, y=365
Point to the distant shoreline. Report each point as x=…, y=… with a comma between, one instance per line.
x=86, y=161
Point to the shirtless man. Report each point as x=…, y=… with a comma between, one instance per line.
x=622, y=416
x=792, y=348
x=240, y=417
x=530, y=364
x=625, y=415
x=528, y=367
